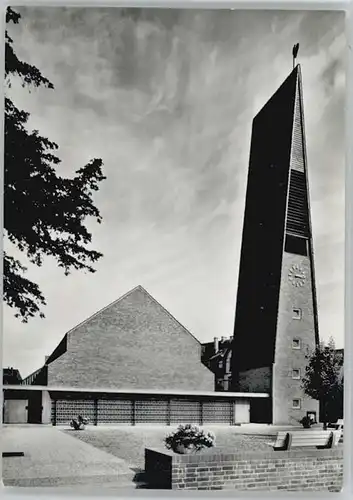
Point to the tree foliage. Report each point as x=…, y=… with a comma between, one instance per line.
x=44, y=214
x=323, y=379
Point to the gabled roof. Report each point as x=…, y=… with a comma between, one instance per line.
x=62, y=346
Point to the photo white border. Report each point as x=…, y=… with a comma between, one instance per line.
x=338, y=5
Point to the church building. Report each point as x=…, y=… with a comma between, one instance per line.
x=131, y=363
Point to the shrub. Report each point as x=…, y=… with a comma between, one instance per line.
x=189, y=436
x=306, y=422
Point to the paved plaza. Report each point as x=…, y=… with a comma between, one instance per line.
x=109, y=456
x=105, y=456
x=54, y=458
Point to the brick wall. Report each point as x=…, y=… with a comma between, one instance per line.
x=308, y=470
x=134, y=343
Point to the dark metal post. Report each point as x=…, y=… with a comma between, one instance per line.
x=169, y=411
x=54, y=412
x=133, y=412
x=95, y=412
x=232, y=411
x=201, y=412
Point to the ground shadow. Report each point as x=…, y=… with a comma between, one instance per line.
x=140, y=479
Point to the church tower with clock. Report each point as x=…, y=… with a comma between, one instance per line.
x=276, y=322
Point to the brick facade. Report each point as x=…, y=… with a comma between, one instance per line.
x=133, y=343
x=308, y=470
x=217, y=356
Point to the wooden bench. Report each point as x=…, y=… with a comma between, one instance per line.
x=307, y=438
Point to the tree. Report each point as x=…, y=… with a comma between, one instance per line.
x=323, y=380
x=44, y=214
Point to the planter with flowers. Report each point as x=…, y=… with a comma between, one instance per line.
x=189, y=439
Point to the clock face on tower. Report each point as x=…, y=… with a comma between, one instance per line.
x=296, y=275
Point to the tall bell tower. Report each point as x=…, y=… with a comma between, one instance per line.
x=276, y=321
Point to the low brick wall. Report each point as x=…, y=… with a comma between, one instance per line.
x=309, y=470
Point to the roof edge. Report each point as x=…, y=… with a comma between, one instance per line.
x=169, y=314
x=114, y=390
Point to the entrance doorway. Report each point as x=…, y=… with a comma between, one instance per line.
x=261, y=411
x=35, y=407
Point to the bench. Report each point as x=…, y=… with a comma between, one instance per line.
x=340, y=423
x=337, y=425
x=307, y=438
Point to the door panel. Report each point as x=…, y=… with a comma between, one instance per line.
x=242, y=412
x=15, y=411
x=35, y=407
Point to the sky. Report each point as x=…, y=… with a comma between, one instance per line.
x=166, y=98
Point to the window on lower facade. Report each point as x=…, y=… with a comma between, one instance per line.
x=296, y=373
x=296, y=404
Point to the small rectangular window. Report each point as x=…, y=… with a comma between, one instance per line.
x=296, y=404
x=297, y=313
x=296, y=344
x=296, y=373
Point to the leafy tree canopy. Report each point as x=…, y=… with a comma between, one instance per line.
x=323, y=379
x=44, y=214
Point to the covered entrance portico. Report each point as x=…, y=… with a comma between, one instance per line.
x=59, y=405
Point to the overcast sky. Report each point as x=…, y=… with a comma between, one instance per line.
x=166, y=98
